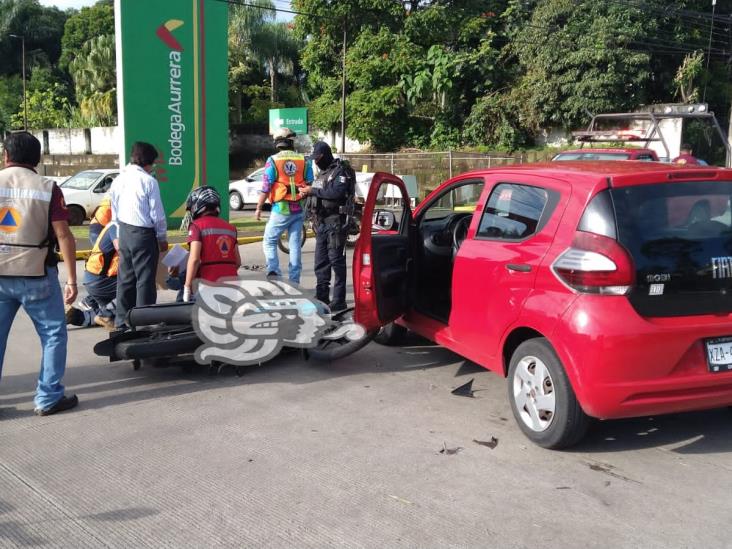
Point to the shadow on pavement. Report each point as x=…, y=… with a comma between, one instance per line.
x=708, y=432
x=18, y=533
x=186, y=377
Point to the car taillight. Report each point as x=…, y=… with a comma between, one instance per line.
x=595, y=264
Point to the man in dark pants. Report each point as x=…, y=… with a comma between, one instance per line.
x=330, y=196
x=138, y=210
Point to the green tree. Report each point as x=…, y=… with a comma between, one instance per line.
x=88, y=23
x=429, y=59
x=275, y=46
x=264, y=69
x=94, y=75
x=11, y=92
x=47, y=108
x=42, y=28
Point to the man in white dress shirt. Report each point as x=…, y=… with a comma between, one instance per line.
x=138, y=210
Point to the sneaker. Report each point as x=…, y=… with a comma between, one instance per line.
x=63, y=404
x=105, y=322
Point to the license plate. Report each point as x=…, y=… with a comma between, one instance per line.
x=719, y=354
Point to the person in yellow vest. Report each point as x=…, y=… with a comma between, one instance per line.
x=102, y=216
x=286, y=175
x=100, y=281
x=33, y=221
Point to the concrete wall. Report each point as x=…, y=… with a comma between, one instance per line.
x=66, y=165
x=334, y=140
x=105, y=140
x=78, y=141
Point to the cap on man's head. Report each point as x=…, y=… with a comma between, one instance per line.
x=322, y=154
x=284, y=138
x=320, y=148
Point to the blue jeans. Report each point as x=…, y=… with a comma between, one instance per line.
x=276, y=225
x=42, y=300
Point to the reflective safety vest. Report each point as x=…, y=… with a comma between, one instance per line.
x=103, y=213
x=290, y=167
x=25, y=225
x=218, y=248
x=100, y=263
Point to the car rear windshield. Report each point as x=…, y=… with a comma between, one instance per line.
x=680, y=237
x=592, y=156
x=81, y=181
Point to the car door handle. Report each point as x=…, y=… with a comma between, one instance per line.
x=521, y=268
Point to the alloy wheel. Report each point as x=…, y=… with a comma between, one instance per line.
x=533, y=393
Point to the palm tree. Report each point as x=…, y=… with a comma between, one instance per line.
x=244, y=20
x=276, y=47
x=93, y=72
x=254, y=33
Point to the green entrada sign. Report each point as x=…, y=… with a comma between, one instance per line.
x=173, y=91
x=295, y=119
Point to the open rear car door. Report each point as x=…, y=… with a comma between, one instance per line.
x=383, y=254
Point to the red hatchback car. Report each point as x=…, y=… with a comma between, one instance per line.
x=599, y=289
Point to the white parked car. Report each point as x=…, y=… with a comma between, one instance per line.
x=84, y=191
x=245, y=191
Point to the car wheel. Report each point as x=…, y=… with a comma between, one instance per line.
x=235, y=201
x=392, y=335
x=543, y=402
x=77, y=215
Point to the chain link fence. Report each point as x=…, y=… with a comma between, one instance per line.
x=432, y=168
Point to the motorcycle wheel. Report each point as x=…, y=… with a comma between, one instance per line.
x=284, y=242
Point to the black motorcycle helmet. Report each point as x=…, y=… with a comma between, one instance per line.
x=203, y=199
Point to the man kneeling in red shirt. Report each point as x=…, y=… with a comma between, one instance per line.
x=214, y=252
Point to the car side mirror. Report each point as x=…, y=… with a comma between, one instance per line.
x=383, y=220
x=250, y=179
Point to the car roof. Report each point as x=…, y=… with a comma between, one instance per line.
x=591, y=171
x=624, y=150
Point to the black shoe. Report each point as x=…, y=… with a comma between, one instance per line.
x=272, y=274
x=63, y=404
x=338, y=308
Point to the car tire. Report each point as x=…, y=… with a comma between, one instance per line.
x=391, y=335
x=235, y=201
x=542, y=399
x=77, y=215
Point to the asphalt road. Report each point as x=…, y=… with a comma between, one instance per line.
x=346, y=454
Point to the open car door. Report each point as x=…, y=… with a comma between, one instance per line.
x=383, y=253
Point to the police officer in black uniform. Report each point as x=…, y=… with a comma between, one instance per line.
x=329, y=205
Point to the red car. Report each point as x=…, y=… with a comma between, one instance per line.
x=599, y=289
x=631, y=153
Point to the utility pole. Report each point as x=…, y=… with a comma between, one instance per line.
x=343, y=90
x=25, y=93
